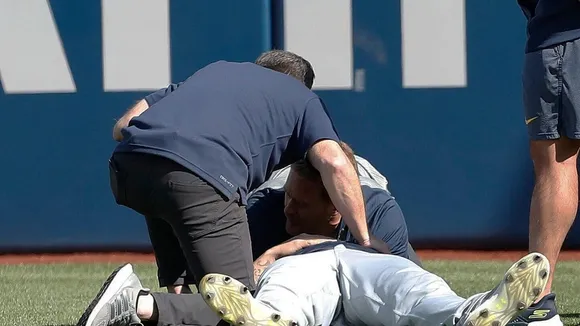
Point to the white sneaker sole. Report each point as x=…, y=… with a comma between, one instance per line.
x=111, y=286
x=232, y=301
x=522, y=284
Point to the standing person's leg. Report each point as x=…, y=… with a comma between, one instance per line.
x=551, y=83
x=297, y=290
x=390, y=290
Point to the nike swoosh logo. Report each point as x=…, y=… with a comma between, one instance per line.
x=528, y=121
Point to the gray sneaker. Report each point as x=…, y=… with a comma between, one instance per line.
x=116, y=302
x=520, y=287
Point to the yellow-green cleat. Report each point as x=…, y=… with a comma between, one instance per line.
x=234, y=303
x=523, y=282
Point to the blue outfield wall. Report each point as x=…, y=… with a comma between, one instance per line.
x=456, y=158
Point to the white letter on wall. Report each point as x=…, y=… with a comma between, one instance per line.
x=32, y=58
x=433, y=51
x=136, y=46
x=321, y=32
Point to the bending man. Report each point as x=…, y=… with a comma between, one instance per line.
x=189, y=154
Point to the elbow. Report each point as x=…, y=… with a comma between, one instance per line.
x=337, y=163
x=327, y=157
x=117, y=134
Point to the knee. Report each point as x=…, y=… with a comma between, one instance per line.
x=554, y=155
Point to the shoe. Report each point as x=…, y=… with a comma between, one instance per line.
x=542, y=313
x=522, y=284
x=234, y=303
x=116, y=302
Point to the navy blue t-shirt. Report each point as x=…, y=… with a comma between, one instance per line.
x=232, y=124
x=550, y=22
x=385, y=221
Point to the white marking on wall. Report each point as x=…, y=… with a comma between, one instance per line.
x=321, y=32
x=433, y=37
x=32, y=58
x=136, y=46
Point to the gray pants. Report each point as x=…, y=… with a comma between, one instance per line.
x=190, y=309
x=350, y=287
x=551, y=92
x=194, y=230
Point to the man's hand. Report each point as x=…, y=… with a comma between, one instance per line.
x=377, y=244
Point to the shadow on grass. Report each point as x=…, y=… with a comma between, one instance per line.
x=572, y=315
x=59, y=325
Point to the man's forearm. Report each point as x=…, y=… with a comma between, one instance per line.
x=285, y=249
x=344, y=190
x=123, y=122
x=292, y=246
x=343, y=186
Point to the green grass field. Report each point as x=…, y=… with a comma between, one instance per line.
x=57, y=294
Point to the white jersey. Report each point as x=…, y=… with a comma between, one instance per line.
x=369, y=176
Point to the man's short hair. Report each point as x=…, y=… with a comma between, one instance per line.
x=288, y=63
x=306, y=170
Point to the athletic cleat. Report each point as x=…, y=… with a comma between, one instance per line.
x=234, y=303
x=520, y=287
x=116, y=302
x=542, y=313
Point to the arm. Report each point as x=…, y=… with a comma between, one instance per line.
x=136, y=110
x=341, y=181
x=140, y=107
x=296, y=243
x=285, y=249
x=317, y=138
